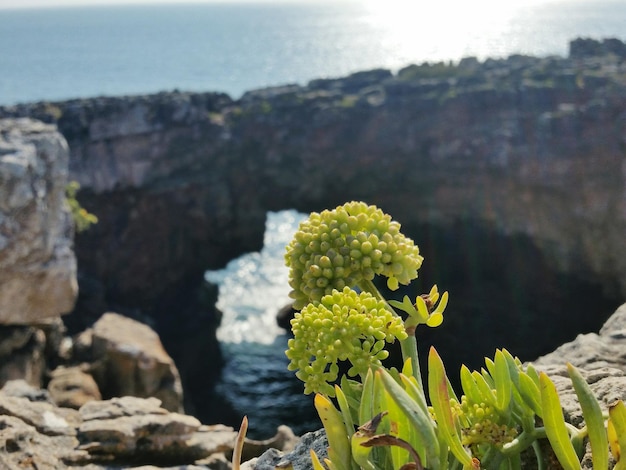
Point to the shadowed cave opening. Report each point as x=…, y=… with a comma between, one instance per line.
x=503, y=294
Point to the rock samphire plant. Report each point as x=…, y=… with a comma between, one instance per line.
x=82, y=218
x=382, y=418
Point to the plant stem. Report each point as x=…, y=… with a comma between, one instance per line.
x=541, y=465
x=523, y=441
x=409, y=351
x=407, y=346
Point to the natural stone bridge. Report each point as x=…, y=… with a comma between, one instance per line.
x=509, y=174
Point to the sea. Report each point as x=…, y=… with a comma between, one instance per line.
x=232, y=47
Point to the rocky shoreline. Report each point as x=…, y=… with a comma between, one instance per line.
x=70, y=427
x=518, y=161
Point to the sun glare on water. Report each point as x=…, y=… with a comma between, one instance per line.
x=445, y=28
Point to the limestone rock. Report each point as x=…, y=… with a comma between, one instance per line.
x=72, y=387
x=25, y=447
x=595, y=350
x=526, y=150
x=139, y=430
x=601, y=359
x=21, y=388
x=299, y=458
x=121, y=433
x=129, y=359
x=45, y=417
x=22, y=354
x=37, y=264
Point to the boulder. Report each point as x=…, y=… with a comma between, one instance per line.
x=45, y=417
x=128, y=358
x=27, y=448
x=37, y=264
x=136, y=429
x=120, y=433
x=593, y=351
x=72, y=387
x=601, y=360
x=298, y=459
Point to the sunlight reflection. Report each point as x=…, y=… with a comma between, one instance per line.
x=445, y=28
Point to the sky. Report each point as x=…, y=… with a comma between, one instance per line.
x=56, y=3
x=388, y=3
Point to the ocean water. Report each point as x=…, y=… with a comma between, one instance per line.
x=62, y=53
x=55, y=54
x=255, y=380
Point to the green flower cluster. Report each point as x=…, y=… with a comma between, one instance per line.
x=343, y=326
x=480, y=424
x=341, y=247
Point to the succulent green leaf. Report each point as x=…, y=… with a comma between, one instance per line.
x=406, y=305
x=440, y=399
x=593, y=418
x=366, y=408
x=617, y=426
x=399, y=427
x=530, y=394
x=502, y=379
x=353, y=391
x=422, y=309
x=533, y=374
x=491, y=367
x=344, y=408
x=485, y=389
x=317, y=465
x=407, y=367
x=339, y=451
x=514, y=366
x=361, y=453
x=410, y=385
x=554, y=423
x=470, y=389
x=422, y=424
x=443, y=303
x=435, y=319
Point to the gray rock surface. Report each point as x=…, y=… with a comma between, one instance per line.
x=72, y=387
x=299, y=458
x=128, y=358
x=601, y=358
x=120, y=433
x=37, y=264
x=605, y=349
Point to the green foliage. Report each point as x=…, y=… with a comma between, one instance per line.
x=82, y=219
x=383, y=421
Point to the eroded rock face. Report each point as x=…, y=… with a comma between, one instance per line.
x=601, y=359
x=125, y=432
x=527, y=151
x=37, y=264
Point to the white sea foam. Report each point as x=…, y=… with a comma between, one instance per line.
x=253, y=287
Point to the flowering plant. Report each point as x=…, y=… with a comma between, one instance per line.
x=379, y=418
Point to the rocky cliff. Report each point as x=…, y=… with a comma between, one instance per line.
x=510, y=175
x=37, y=263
